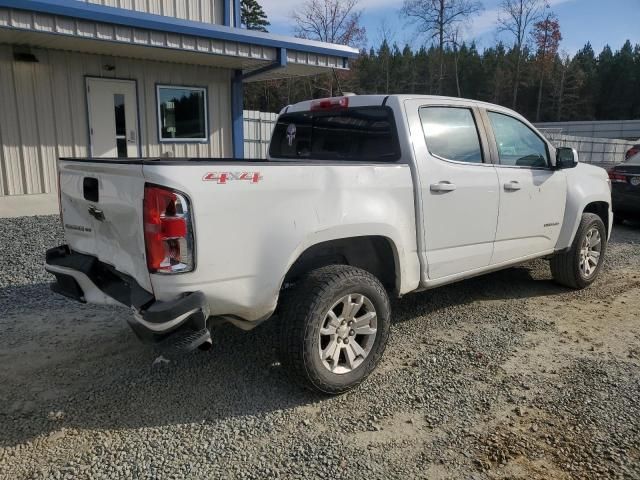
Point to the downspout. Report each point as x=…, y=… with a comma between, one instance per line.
x=232, y=19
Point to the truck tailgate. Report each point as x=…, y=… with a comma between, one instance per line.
x=102, y=214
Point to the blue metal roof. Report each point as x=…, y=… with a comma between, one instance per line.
x=130, y=18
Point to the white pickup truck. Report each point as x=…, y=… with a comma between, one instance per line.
x=362, y=197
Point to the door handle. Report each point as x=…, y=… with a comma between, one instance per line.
x=512, y=186
x=96, y=213
x=442, y=187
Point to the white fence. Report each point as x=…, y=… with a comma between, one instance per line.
x=618, y=129
x=258, y=127
x=604, y=152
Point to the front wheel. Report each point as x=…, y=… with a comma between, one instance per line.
x=334, y=328
x=581, y=264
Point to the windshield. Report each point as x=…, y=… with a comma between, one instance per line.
x=634, y=160
x=352, y=134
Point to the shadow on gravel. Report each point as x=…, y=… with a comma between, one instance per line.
x=66, y=365
x=80, y=367
x=514, y=283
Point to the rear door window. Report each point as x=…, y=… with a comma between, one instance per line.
x=352, y=134
x=451, y=133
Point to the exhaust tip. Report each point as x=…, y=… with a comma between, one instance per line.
x=205, y=346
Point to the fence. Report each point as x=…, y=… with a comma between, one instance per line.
x=604, y=152
x=617, y=129
x=257, y=133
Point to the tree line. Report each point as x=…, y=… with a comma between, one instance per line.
x=531, y=74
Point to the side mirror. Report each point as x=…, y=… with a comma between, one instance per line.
x=566, y=158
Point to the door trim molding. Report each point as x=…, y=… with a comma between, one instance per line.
x=87, y=78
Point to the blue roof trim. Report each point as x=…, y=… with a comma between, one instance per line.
x=130, y=18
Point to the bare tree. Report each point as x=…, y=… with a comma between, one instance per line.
x=333, y=21
x=517, y=17
x=546, y=35
x=439, y=19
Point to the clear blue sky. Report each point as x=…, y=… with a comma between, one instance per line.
x=599, y=21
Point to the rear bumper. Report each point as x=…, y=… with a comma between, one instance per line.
x=181, y=322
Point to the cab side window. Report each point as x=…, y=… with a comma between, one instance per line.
x=451, y=133
x=517, y=144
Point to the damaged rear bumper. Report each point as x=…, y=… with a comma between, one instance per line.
x=180, y=323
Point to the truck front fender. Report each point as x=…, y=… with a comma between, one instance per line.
x=587, y=186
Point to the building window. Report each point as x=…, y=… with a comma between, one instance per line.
x=182, y=114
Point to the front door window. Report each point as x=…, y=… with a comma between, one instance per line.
x=121, y=125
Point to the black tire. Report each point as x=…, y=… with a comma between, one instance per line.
x=565, y=267
x=304, y=312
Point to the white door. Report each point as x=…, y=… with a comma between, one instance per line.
x=532, y=195
x=459, y=187
x=113, y=118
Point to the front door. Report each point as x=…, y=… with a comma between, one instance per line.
x=532, y=194
x=459, y=186
x=113, y=118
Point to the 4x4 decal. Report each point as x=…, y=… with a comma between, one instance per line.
x=226, y=177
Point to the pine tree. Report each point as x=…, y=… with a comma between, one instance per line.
x=252, y=16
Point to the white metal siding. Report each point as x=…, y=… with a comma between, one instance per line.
x=258, y=127
x=209, y=11
x=43, y=112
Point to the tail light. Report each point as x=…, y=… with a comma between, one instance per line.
x=616, y=177
x=631, y=152
x=168, y=232
x=335, y=103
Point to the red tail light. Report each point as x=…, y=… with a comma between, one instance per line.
x=335, y=103
x=168, y=235
x=617, y=177
x=631, y=152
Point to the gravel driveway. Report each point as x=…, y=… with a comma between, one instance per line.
x=502, y=376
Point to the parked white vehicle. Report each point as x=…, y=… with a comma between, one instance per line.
x=362, y=197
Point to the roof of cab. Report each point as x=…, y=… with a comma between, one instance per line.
x=370, y=100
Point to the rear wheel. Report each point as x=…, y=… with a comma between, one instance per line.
x=334, y=328
x=580, y=266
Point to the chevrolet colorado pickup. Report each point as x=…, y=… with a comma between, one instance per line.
x=361, y=198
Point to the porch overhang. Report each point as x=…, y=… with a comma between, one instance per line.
x=90, y=28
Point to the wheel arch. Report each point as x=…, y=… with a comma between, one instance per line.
x=600, y=208
x=377, y=254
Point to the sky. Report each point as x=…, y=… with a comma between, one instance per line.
x=601, y=22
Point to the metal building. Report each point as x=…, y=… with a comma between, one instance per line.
x=127, y=78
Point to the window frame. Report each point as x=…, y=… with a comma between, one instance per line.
x=480, y=130
x=198, y=140
x=494, y=141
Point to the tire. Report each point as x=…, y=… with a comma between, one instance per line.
x=319, y=303
x=568, y=267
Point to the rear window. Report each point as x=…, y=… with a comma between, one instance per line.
x=352, y=134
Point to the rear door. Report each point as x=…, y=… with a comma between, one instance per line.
x=102, y=213
x=459, y=186
x=532, y=195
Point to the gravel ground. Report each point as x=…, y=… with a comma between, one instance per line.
x=503, y=376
